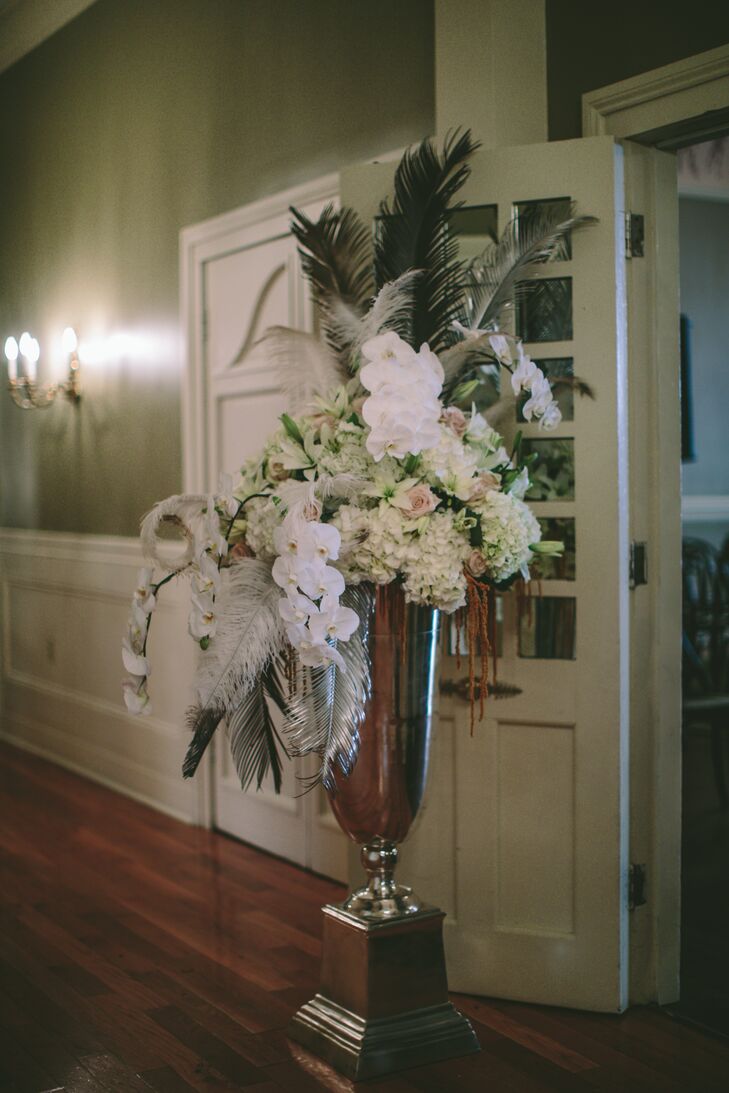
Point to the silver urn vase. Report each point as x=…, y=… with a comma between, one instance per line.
x=383, y=1001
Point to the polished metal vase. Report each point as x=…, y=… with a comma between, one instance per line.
x=378, y=802
x=383, y=1000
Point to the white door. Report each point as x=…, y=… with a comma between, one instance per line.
x=524, y=837
x=242, y=275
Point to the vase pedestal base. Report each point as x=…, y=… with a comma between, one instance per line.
x=383, y=1003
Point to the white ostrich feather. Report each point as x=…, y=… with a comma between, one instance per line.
x=250, y=632
x=304, y=365
x=391, y=308
x=180, y=510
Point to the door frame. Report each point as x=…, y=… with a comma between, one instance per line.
x=666, y=108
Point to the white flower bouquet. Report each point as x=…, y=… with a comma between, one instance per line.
x=384, y=472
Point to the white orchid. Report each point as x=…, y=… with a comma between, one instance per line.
x=296, y=609
x=226, y=500
x=539, y=398
x=333, y=621
x=202, y=620
x=317, y=654
x=208, y=536
x=501, y=348
x=288, y=570
x=134, y=660
x=525, y=372
x=136, y=697
x=385, y=347
x=551, y=417
x=206, y=574
x=144, y=592
x=321, y=580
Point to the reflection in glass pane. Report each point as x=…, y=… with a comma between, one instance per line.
x=529, y=213
x=547, y=628
x=496, y=632
x=552, y=473
x=556, y=368
x=544, y=310
x=476, y=227
x=560, y=529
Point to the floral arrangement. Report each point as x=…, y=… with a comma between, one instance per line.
x=387, y=470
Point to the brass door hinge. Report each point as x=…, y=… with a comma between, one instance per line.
x=636, y=886
x=634, y=235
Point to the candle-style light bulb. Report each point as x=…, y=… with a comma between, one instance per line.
x=25, y=343
x=11, y=354
x=32, y=353
x=69, y=341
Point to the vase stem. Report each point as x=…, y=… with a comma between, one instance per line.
x=382, y=896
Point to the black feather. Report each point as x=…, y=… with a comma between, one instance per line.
x=254, y=741
x=413, y=233
x=203, y=722
x=336, y=257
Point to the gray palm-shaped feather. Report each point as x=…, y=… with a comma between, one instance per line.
x=326, y=714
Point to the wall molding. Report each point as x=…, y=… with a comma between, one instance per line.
x=705, y=509
x=662, y=97
x=78, y=588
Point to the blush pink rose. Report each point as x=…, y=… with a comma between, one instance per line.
x=418, y=501
x=482, y=485
x=455, y=419
x=476, y=563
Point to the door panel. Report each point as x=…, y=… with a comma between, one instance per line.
x=250, y=279
x=523, y=840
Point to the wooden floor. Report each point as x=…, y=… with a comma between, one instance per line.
x=138, y=954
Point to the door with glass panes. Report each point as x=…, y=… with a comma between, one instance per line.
x=523, y=840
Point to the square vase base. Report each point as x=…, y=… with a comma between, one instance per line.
x=361, y=1048
x=383, y=1000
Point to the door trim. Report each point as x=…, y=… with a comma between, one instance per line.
x=660, y=99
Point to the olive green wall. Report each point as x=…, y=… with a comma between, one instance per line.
x=136, y=119
x=591, y=45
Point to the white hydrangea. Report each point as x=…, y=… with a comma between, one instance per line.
x=346, y=453
x=262, y=519
x=434, y=567
x=380, y=542
x=450, y=464
x=508, y=528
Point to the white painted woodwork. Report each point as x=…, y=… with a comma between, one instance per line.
x=240, y=275
x=655, y=507
x=524, y=838
x=501, y=46
x=687, y=89
x=64, y=605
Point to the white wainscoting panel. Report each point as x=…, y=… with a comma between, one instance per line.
x=64, y=603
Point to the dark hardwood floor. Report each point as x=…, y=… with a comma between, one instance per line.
x=138, y=954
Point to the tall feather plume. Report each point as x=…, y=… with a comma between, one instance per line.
x=304, y=365
x=254, y=741
x=414, y=235
x=504, y=269
x=249, y=634
x=180, y=511
x=336, y=256
x=326, y=713
x=392, y=309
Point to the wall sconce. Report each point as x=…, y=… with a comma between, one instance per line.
x=24, y=389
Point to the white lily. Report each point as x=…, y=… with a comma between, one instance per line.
x=386, y=488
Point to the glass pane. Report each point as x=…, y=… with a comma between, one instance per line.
x=552, y=473
x=528, y=214
x=476, y=227
x=562, y=530
x=556, y=369
x=547, y=628
x=544, y=310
